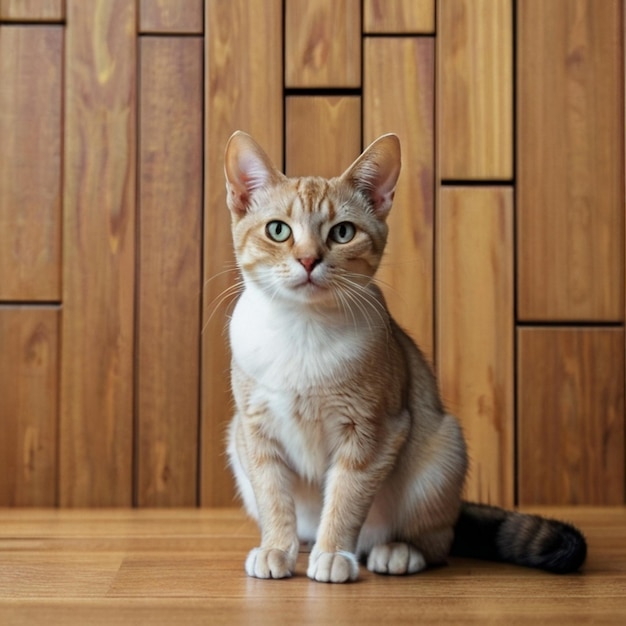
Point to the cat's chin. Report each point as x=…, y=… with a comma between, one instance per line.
x=306, y=294
x=311, y=293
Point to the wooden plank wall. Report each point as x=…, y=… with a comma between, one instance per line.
x=505, y=260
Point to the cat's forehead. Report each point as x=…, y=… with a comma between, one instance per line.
x=308, y=195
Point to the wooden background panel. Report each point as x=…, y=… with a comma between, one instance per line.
x=475, y=331
x=170, y=219
x=322, y=43
x=475, y=55
x=30, y=162
x=399, y=16
x=571, y=408
x=99, y=255
x=29, y=404
x=323, y=134
x=243, y=91
x=570, y=160
x=399, y=97
x=32, y=10
x=171, y=16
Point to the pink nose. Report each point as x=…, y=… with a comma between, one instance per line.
x=309, y=262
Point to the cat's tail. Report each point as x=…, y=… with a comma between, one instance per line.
x=488, y=532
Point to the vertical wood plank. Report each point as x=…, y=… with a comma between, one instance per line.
x=571, y=397
x=28, y=405
x=322, y=43
x=399, y=16
x=243, y=91
x=475, y=331
x=170, y=218
x=32, y=10
x=171, y=16
x=476, y=89
x=399, y=97
x=30, y=162
x=570, y=160
x=99, y=255
x=323, y=134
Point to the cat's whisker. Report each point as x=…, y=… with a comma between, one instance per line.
x=230, y=292
x=217, y=275
x=352, y=279
x=365, y=301
x=344, y=304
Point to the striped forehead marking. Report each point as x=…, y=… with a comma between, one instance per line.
x=312, y=196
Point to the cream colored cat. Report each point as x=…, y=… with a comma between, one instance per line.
x=340, y=437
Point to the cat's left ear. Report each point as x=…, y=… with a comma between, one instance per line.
x=247, y=168
x=376, y=173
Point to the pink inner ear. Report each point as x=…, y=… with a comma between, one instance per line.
x=253, y=173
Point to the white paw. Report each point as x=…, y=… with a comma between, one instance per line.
x=395, y=558
x=269, y=563
x=333, y=567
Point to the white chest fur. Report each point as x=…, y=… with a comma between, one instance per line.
x=301, y=365
x=284, y=348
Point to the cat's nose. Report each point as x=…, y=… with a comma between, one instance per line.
x=309, y=263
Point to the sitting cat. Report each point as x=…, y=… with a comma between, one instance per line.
x=340, y=437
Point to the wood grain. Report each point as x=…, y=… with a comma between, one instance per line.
x=570, y=160
x=96, y=432
x=30, y=162
x=399, y=16
x=171, y=16
x=163, y=567
x=32, y=10
x=242, y=92
x=323, y=134
x=475, y=332
x=170, y=219
x=28, y=410
x=322, y=43
x=571, y=407
x=399, y=97
x=475, y=101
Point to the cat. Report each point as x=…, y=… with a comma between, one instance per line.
x=339, y=436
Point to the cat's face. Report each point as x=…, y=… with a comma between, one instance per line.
x=310, y=240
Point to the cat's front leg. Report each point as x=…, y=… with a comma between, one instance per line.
x=348, y=496
x=276, y=556
x=271, y=480
x=351, y=485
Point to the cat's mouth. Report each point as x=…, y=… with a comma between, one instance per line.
x=310, y=287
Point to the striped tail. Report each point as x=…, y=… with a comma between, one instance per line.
x=491, y=533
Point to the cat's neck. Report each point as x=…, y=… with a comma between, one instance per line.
x=340, y=315
x=283, y=346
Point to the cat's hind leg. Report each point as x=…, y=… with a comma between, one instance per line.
x=395, y=558
x=400, y=557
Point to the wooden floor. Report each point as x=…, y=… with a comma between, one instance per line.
x=176, y=567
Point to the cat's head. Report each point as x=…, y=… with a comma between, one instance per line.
x=309, y=240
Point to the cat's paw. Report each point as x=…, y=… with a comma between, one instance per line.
x=269, y=563
x=395, y=558
x=333, y=567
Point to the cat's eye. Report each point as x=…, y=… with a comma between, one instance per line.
x=278, y=231
x=342, y=232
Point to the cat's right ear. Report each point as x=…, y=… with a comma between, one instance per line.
x=247, y=168
x=376, y=173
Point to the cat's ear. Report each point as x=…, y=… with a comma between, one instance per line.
x=376, y=173
x=247, y=168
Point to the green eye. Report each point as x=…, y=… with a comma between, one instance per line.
x=342, y=232
x=278, y=231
